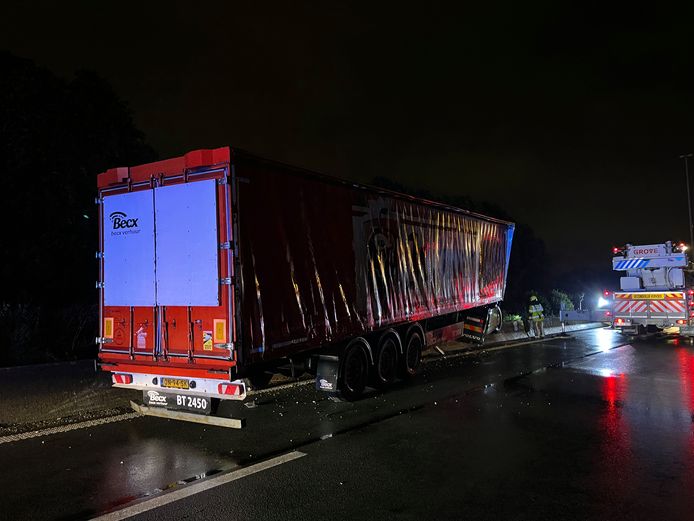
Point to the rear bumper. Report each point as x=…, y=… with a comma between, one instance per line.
x=626, y=322
x=207, y=387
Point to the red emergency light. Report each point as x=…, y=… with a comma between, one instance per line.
x=606, y=293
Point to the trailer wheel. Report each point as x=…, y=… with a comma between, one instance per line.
x=412, y=354
x=386, y=364
x=354, y=370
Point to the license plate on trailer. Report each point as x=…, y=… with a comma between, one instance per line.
x=175, y=383
x=177, y=402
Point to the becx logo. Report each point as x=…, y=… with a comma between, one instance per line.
x=120, y=220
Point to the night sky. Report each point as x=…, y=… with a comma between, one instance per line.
x=569, y=118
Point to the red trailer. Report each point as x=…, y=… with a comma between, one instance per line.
x=218, y=266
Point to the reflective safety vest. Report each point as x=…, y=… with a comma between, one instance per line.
x=535, y=312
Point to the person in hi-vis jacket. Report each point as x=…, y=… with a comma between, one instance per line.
x=536, y=317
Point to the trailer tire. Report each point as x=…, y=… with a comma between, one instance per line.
x=386, y=363
x=354, y=370
x=411, y=354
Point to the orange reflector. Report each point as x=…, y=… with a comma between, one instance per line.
x=220, y=331
x=108, y=327
x=119, y=378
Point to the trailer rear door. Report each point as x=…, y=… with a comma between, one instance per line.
x=166, y=292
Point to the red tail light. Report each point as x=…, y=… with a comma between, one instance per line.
x=620, y=321
x=120, y=378
x=231, y=389
x=607, y=313
x=681, y=322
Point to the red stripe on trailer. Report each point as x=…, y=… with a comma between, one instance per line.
x=677, y=306
x=672, y=306
x=656, y=307
x=166, y=371
x=622, y=307
x=661, y=307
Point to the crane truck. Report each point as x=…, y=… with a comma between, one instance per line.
x=656, y=290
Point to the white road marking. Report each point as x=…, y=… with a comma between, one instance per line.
x=196, y=488
x=69, y=427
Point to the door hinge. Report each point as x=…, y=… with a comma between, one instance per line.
x=222, y=180
x=98, y=200
x=226, y=281
x=99, y=285
x=99, y=254
x=225, y=245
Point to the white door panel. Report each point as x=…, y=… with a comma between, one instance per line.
x=128, y=231
x=187, y=244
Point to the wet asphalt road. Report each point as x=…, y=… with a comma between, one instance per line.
x=573, y=428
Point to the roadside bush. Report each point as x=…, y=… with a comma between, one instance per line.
x=31, y=333
x=557, y=299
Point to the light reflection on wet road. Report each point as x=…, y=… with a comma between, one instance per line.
x=605, y=435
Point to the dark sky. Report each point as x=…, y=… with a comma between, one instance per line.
x=570, y=118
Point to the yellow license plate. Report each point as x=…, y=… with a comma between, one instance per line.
x=175, y=383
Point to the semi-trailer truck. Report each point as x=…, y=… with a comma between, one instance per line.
x=218, y=266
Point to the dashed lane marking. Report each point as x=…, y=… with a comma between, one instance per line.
x=66, y=428
x=196, y=488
